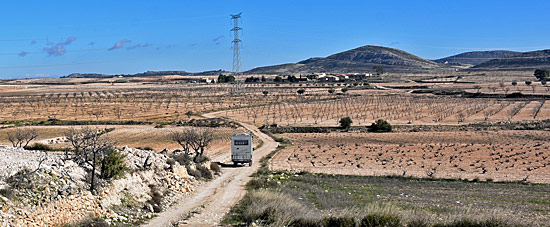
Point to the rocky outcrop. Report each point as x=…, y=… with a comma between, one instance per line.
x=55, y=193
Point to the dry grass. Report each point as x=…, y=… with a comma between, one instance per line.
x=313, y=198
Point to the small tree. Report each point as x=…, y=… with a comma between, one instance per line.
x=205, y=137
x=331, y=91
x=344, y=90
x=345, y=122
x=477, y=87
x=542, y=74
x=528, y=82
x=380, y=126
x=460, y=117
x=265, y=93
x=278, y=79
x=92, y=149
x=22, y=137
x=196, y=139
x=189, y=114
x=379, y=70
x=184, y=138
x=301, y=91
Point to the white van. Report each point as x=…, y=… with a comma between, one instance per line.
x=241, y=149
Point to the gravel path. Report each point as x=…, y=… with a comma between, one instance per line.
x=213, y=200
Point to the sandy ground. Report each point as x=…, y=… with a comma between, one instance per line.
x=214, y=199
x=496, y=155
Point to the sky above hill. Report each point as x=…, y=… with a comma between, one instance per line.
x=56, y=38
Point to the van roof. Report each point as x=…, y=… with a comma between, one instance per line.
x=242, y=134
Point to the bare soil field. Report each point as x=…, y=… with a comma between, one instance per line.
x=142, y=136
x=486, y=155
x=133, y=101
x=397, y=109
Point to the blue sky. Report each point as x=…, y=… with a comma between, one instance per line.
x=55, y=38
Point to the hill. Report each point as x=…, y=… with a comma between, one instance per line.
x=475, y=57
x=522, y=61
x=145, y=74
x=361, y=59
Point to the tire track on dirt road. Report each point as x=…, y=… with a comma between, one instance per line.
x=211, y=201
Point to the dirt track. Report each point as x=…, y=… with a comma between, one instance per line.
x=214, y=199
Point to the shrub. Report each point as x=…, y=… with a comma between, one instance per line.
x=382, y=220
x=113, y=166
x=39, y=147
x=148, y=148
x=302, y=222
x=205, y=172
x=258, y=183
x=91, y=222
x=156, y=199
x=418, y=223
x=200, y=159
x=466, y=222
x=193, y=172
x=183, y=159
x=345, y=122
x=170, y=161
x=339, y=221
x=380, y=126
x=7, y=192
x=215, y=167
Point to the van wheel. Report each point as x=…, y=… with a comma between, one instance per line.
x=250, y=163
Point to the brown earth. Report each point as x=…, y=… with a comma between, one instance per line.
x=496, y=155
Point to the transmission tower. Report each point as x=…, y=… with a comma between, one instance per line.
x=236, y=45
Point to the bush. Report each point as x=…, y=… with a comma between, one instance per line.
x=183, y=159
x=39, y=147
x=113, y=166
x=215, y=167
x=301, y=222
x=193, y=172
x=156, y=199
x=7, y=192
x=170, y=161
x=148, y=148
x=418, y=223
x=380, y=126
x=339, y=221
x=258, y=183
x=205, y=172
x=466, y=222
x=382, y=220
x=91, y=222
x=200, y=159
x=345, y=122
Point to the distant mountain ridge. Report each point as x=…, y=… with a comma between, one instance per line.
x=476, y=57
x=361, y=59
x=145, y=74
x=522, y=61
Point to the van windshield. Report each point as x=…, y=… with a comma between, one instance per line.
x=241, y=142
